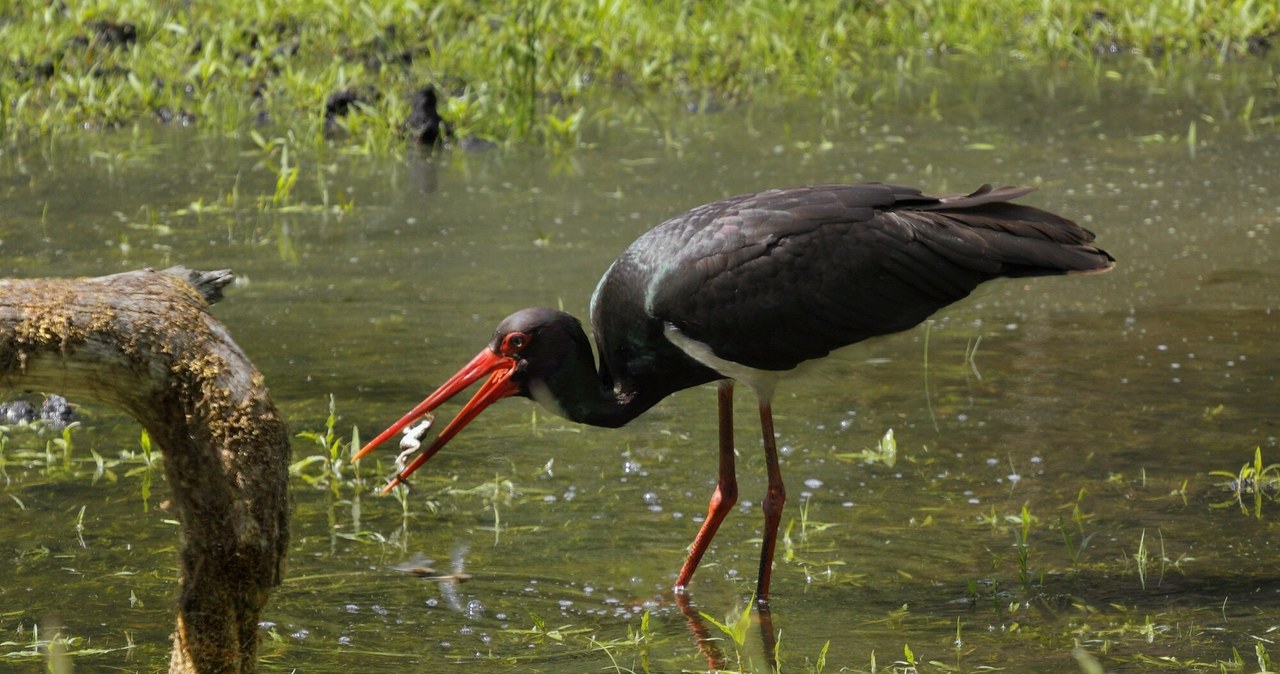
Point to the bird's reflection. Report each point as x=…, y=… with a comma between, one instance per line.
x=708, y=645
x=705, y=637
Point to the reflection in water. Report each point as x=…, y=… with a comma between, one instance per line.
x=424, y=173
x=708, y=645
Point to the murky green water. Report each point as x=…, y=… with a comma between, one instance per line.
x=1099, y=404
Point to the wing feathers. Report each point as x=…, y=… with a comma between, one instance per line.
x=773, y=279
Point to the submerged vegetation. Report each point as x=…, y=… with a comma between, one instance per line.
x=1045, y=587
x=530, y=70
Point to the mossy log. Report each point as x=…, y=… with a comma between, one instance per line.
x=145, y=341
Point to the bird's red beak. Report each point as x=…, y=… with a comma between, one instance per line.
x=499, y=386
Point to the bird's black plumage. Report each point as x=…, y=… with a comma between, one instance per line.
x=750, y=287
x=772, y=279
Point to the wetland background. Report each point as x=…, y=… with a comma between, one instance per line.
x=1052, y=505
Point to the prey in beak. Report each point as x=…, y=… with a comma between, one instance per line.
x=498, y=364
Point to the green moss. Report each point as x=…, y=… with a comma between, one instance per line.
x=516, y=73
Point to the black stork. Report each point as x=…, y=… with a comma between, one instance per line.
x=746, y=289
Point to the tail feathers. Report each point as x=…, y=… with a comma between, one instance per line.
x=984, y=231
x=1005, y=247
x=1020, y=255
x=983, y=195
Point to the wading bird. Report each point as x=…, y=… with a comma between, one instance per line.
x=746, y=289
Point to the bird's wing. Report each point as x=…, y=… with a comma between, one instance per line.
x=773, y=279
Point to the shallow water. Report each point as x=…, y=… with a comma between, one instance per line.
x=1100, y=404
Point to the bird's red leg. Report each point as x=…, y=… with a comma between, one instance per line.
x=774, y=498
x=726, y=493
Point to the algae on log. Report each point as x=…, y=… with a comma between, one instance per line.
x=145, y=341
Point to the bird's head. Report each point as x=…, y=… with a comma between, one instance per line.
x=528, y=349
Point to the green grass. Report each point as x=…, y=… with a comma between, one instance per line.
x=538, y=71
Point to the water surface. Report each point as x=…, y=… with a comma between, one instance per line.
x=1099, y=404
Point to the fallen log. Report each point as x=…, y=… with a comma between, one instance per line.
x=144, y=341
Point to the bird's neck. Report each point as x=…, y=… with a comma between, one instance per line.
x=579, y=392
x=633, y=375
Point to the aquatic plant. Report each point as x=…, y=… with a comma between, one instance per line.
x=1254, y=482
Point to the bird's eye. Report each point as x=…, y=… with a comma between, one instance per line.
x=514, y=342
